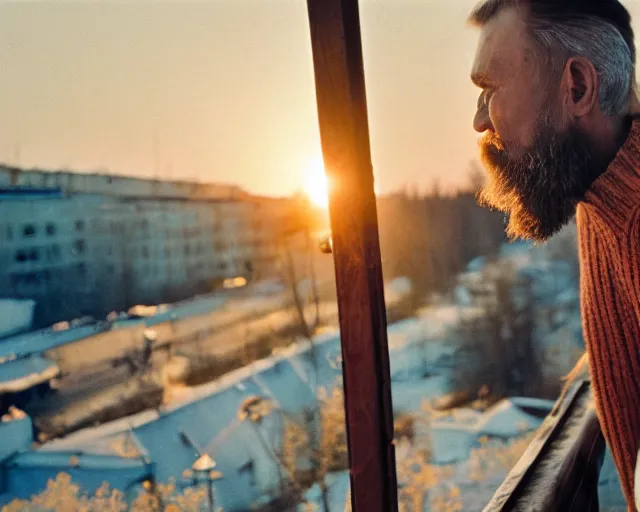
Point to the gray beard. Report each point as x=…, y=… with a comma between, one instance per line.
x=539, y=191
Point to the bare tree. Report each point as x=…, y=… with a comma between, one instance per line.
x=288, y=266
x=299, y=226
x=320, y=441
x=499, y=346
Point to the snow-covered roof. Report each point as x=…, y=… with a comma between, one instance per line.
x=16, y=435
x=120, y=444
x=209, y=416
x=506, y=420
x=27, y=474
x=21, y=374
x=194, y=307
x=74, y=459
x=453, y=436
x=37, y=342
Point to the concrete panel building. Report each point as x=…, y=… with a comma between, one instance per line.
x=79, y=245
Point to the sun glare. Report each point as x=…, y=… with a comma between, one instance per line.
x=316, y=184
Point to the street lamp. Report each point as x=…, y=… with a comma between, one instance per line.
x=204, y=469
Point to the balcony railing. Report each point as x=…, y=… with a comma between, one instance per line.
x=560, y=468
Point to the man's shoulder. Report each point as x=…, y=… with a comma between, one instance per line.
x=598, y=224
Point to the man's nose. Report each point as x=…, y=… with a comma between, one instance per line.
x=481, y=121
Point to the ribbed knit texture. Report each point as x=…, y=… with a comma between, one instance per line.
x=609, y=244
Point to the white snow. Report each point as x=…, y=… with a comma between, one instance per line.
x=421, y=353
x=16, y=315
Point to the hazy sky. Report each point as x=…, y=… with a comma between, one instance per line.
x=222, y=90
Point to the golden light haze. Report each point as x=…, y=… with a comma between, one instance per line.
x=222, y=90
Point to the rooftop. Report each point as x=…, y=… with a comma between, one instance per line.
x=68, y=182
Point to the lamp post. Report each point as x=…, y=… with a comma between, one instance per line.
x=204, y=469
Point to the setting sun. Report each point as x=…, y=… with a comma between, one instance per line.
x=316, y=185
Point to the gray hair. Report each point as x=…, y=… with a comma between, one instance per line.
x=599, y=42
x=599, y=31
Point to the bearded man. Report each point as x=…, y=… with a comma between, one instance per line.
x=558, y=113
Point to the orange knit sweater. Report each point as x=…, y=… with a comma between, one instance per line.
x=609, y=234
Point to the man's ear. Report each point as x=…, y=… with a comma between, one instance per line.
x=581, y=86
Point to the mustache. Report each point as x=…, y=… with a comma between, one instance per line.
x=494, y=153
x=491, y=140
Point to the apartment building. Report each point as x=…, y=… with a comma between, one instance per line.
x=90, y=244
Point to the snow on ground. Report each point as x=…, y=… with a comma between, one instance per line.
x=421, y=355
x=475, y=492
x=209, y=415
x=338, y=485
x=454, y=436
x=22, y=374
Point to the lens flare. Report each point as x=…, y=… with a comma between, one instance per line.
x=316, y=184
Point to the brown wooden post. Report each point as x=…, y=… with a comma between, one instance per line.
x=344, y=132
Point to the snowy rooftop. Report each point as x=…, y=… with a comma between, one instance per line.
x=21, y=374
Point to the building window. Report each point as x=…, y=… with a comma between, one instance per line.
x=81, y=270
x=50, y=229
x=145, y=252
x=32, y=278
x=79, y=246
x=79, y=225
x=29, y=279
x=9, y=233
x=34, y=255
x=21, y=256
x=29, y=230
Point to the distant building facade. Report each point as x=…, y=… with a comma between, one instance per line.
x=91, y=244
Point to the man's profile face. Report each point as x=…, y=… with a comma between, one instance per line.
x=537, y=168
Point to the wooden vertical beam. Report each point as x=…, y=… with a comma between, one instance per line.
x=344, y=133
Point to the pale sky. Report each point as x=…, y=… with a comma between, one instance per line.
x=222, y=90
